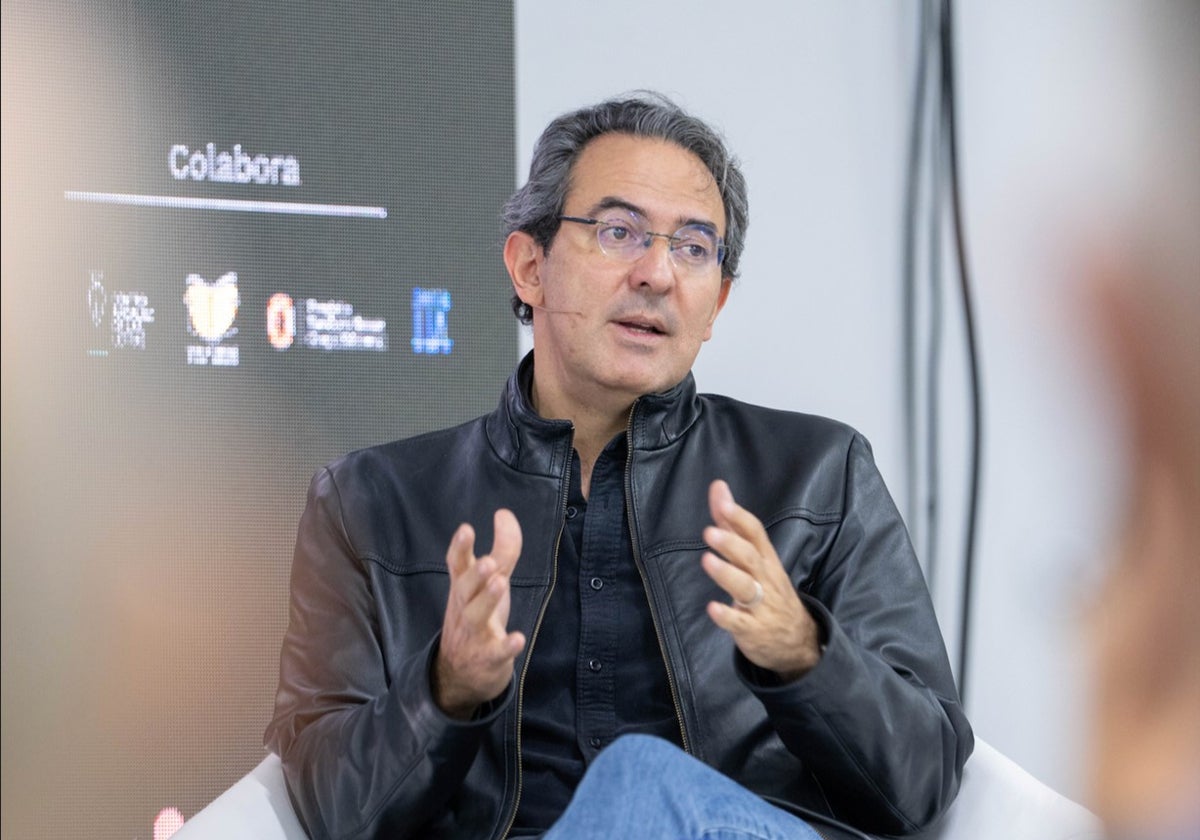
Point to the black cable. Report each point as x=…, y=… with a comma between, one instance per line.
x=908, y=268
x=933, y=363
x=950, y=129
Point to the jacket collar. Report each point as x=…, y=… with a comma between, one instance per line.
x=532, y=444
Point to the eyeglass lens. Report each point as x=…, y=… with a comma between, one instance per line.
x=625, y=235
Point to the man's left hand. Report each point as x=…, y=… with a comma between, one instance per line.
x=772, y=629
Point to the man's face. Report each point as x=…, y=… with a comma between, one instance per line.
x=619, y=329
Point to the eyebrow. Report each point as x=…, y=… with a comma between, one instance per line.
x=611, y=202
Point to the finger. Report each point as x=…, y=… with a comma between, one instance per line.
x=733, y=548
x=510, y=643
x=498, y=618
x=720, y=502
x=514, y=643
x=731, y=516
x=460, y=555
x=471, y=582
x=737, y=584
x=506, y=544
x=729, y=619
x=479, y=609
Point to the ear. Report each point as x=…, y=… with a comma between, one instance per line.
x=722, y=296
x=523, y=259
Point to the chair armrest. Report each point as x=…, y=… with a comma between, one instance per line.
x=256, y=807
x=998, y=800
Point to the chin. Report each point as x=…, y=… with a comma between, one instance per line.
x=655, y=385
x=644, y=376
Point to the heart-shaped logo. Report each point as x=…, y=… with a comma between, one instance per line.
x=212, y=306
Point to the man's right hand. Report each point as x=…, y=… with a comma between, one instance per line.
x=476, y=655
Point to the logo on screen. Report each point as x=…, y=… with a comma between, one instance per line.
x=120, y=315
x=281, y=321
x=430, y=318
x=97, y=298
x=212, y=308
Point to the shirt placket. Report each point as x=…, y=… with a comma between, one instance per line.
x=603, y=531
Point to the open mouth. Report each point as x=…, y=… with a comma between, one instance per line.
x=642, y=327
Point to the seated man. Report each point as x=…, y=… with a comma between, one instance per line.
x=733, y=582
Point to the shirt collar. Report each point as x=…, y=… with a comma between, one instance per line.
x=530, y=443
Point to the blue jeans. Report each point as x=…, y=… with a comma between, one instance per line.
x=647, y=788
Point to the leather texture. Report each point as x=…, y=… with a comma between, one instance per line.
x=874, y=736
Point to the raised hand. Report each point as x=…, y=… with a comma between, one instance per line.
x=476, y=654
x=767, y=620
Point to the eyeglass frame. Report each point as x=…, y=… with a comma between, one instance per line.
x=671, y=238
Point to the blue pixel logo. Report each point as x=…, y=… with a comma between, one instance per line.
x=430, y=314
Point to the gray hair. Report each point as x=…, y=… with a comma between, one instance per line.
x=536, y=206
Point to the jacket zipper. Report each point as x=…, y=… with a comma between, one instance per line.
x=562, y=508
x=637, y=560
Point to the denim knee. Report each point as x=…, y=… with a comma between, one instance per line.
x=639, y=749
x=639, y=764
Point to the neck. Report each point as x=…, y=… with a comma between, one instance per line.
x=594, y=425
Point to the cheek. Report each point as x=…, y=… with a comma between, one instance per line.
x=710, y=318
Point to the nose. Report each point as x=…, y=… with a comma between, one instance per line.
x=654, y=270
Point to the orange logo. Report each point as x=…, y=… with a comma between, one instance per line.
x=281, y=321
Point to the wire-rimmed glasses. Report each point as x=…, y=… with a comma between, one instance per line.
x=623, y=234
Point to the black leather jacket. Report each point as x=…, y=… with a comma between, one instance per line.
x=873, y=735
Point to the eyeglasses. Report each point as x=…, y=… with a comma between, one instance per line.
x=622, y=234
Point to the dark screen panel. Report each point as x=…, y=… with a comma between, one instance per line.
x=238, y=241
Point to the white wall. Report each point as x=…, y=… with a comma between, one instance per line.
x=813, y=97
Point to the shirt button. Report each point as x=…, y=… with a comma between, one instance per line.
x=594, y=741
x=597, y=584
x=595, y=665
x=572, y=512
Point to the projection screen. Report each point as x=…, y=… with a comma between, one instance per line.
x=239, y=240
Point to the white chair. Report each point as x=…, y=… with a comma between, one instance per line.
x=998, y=801
x=257, y=807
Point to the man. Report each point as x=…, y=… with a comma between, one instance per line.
x=733, y=581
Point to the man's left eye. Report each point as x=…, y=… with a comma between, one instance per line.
x=692, y=249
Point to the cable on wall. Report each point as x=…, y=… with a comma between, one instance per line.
x=933, y=174
x=950, y=132
x=908, y=296
x=921, y=244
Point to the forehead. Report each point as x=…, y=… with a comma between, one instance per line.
x=667, y=182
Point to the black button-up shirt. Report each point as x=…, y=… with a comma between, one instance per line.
x=596, y=670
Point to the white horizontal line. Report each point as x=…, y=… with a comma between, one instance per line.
x=235, y=204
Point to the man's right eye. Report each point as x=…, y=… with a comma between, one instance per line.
x=618, y=233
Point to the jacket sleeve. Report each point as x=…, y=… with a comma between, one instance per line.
x=365, y=749
x=878, y=720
